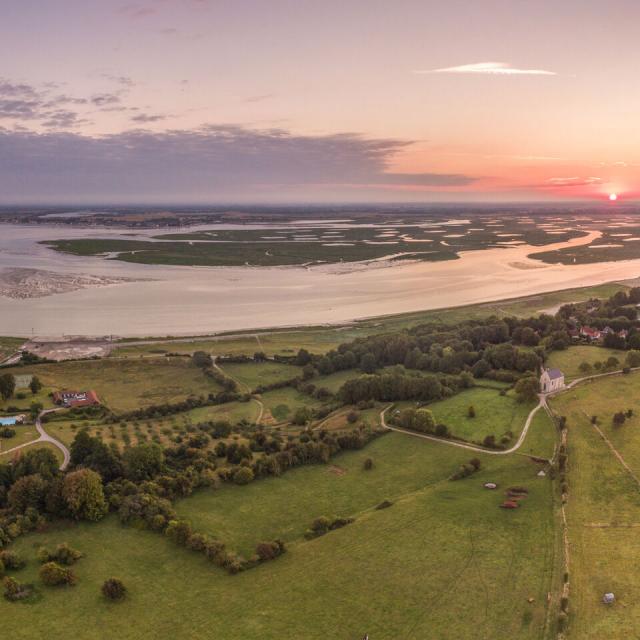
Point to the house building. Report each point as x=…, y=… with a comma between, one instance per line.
x=551, y=380
x=590, y=333
x=71, y=399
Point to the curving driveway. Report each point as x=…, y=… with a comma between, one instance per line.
x=45, y=437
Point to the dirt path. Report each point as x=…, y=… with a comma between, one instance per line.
x=243, y=386
x=45, y=437
x=464, y=445
x=617, y=454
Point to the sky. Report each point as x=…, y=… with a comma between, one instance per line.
x=269, y=101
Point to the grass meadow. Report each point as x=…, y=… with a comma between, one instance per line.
x=494, y=414
x=444, y=561
x=569, y=360
x=604, y=507
x=124, y=385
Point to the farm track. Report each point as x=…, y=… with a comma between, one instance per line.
x=244, y=386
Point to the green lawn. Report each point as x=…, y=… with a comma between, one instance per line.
x=253, y=374
x=24, y=433
x=282, y=403
x=569, y=360
x=444, y=561
x=495, y=414
x=126, y=384
x=603, y=492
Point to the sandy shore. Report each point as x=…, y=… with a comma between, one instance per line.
x=23, y=283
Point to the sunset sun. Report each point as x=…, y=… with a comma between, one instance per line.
x=613, y=197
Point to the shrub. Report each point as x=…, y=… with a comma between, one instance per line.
x=564, y=604
x=243, y=475
x=66, y=555
x=53, y=575
x=618, y=418
x=385, y=504
x=562, y=621
x=11, y=560
x=113, y=589
x=442, y=431
x=471, y=412
x=352, y=417
x=14, y=591
x=489, y=441
x=179, y=531
x=270, y=550
x=368, y=464
x=323, y=525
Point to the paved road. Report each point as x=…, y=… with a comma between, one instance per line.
x=45, y=437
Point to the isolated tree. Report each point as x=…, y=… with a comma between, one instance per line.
x=471, y=412
x=613, y=362
x=35, y=385
x=423, y=421
x=527, y=389
x=633, y=358
x=489, y=441
x=35, y=409
x=7, y=385
x=113, y=589
x=83, y=495
x=585, y=367
x=618, y=418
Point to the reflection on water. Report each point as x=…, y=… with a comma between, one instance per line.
x=188, y=300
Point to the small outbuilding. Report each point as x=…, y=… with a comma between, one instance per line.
x=608, y=598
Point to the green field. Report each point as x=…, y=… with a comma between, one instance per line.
x=281, y=404
x=253, y=374
x=603, y=508
x=495, y=414
x=444, y=561
x=24, y=433
x=158, y=430
x=446, y=544
x=569, y=360
x=124, y=385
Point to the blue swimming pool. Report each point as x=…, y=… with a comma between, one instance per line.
x=6, y=422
